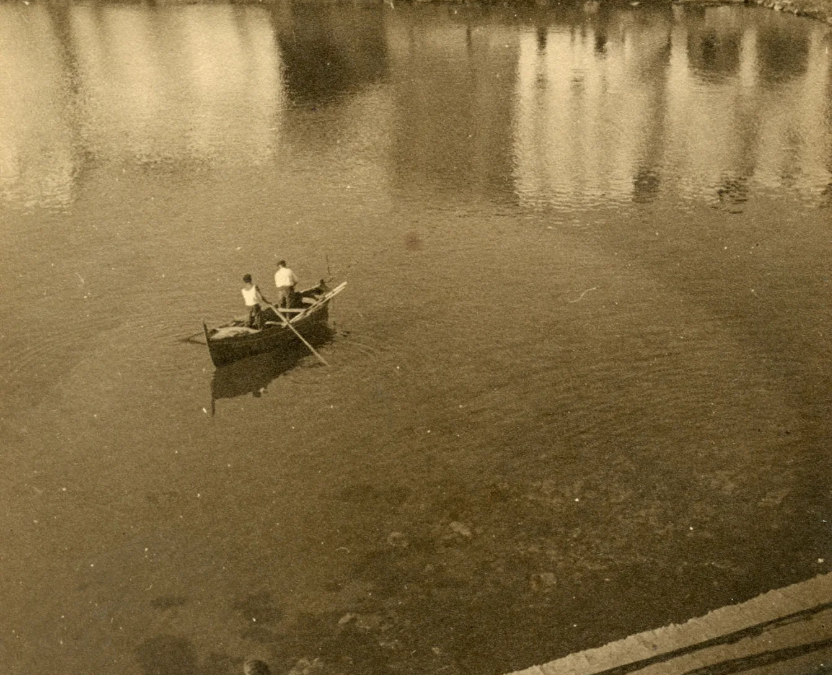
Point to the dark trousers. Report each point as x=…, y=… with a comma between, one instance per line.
x=284, y=296
x=255, y=317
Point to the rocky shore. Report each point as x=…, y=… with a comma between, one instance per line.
x=813, y=9
x=820, y=10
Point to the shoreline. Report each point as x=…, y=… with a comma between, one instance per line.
x=819, y=10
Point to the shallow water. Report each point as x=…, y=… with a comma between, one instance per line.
x=579, y=379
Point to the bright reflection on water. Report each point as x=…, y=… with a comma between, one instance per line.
x=114, y=84
x=709, y=104
x=580, y=375
x=611, y=107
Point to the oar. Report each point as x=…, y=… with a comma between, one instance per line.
x=189, y=338
x=294, y=330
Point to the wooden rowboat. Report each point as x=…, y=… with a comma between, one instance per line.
x=234, y=340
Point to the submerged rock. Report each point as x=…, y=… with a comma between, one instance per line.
x=461, y=529
x=397, y=540
x=256, y=667
x=347, y=618
x=365, y=622
x=542, y=581
x=307, y=667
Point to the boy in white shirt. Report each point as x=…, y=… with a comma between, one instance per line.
x=253, y=298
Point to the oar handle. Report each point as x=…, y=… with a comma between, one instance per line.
x=295, y=331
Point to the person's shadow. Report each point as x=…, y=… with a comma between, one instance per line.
x=254, y=374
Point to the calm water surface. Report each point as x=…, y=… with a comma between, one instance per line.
x=580, y=377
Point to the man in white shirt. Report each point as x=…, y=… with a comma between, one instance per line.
x=253, y=298
x=285, y=281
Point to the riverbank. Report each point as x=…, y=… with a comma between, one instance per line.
x=814, y=9
x=820, y=10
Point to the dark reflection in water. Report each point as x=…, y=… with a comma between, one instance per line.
x=542, y=31
x=646, y=185
x=254, y=375
x=714, y=52
x=733, y=190
x=601, y=42
x=324, y=56
x=784, y=54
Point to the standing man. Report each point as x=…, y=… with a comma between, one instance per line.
x=253, y=298
x=285, y=281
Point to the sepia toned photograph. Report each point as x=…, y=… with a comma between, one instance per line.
x=386, y=337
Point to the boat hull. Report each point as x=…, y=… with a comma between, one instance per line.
x=275, y=337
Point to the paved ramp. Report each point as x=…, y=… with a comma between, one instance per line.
x=783, y=632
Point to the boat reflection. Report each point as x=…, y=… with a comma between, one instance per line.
x=254, y=374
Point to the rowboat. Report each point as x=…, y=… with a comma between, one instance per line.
x=235, y=340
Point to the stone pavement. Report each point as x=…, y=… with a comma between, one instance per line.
x=783, y=632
